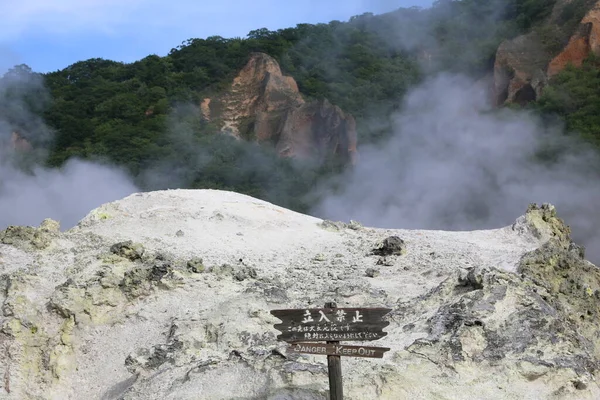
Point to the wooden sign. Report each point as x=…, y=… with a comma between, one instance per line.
x=331, y=324
x=337, y=350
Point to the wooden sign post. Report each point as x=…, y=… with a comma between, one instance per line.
x=301, y=327
x=334, y=366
